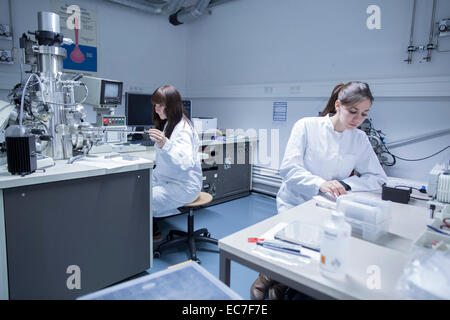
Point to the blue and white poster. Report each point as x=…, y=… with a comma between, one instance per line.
x=80, y=25
x=280, y=111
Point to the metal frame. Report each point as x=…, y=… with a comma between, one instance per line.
x=4, y=286
x=225, y=274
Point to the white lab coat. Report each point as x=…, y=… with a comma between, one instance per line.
x=177, y=178
x=316, y=153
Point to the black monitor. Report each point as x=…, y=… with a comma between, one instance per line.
x=187, y=104
x=138, y=109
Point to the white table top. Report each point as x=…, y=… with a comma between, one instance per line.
x=65, y=171
x=408, y=222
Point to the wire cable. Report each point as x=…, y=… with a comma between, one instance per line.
x=385, y=149
x=434, y=154
x=422, y=199
x=23, y=95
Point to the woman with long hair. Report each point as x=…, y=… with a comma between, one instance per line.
x=321, y=154
x=177, y=177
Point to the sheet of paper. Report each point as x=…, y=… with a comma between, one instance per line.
x=270, y=235
x=110, y=163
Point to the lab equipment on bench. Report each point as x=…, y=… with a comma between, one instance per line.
x=47, y=105
x=439, y=190
x=369, y=218
x=439, y=183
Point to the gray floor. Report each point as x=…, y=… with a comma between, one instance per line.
x=221, y=220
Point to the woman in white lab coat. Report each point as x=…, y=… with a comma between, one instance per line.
x=177, y=178
x=323, y=151
x=321, y=155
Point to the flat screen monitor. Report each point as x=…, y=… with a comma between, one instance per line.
x=187, y=104
x=138, y=109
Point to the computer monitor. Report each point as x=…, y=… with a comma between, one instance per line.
x=138, y=109
x=187, y=104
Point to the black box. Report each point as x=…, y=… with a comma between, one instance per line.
x=21, y=154
x=395, y=194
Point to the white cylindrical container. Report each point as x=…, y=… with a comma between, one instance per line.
x=334, y=246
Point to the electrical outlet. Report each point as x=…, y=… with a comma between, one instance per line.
x=295, y=89
x=268, y=89
x=5, y=31
x=6, y=56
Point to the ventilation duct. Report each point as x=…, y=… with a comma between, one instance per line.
x=179, y=11
x=190, y=13
x=153, y=7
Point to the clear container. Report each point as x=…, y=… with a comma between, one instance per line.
x=369, y=231
x=334, y=247
x=370, y=218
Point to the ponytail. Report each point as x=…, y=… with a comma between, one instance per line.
x=349, y=94
x=331, y=108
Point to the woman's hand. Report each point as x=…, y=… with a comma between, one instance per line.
x=158, y=137
x=333, y=187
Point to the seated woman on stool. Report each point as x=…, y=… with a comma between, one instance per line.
x=320, y=156
x=177, y=178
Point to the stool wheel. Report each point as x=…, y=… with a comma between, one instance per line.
x=156, y=254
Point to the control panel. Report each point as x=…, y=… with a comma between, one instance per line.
x=117, y=123
x=108, y=121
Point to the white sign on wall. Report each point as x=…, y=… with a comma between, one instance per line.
x=80, y=25
x=279, y=111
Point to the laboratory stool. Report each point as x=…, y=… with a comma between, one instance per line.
x=191, y=236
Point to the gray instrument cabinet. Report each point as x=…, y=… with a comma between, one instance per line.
x=100, y=224
x=226, y=171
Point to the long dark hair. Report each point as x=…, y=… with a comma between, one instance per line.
x=348, y=94
x=169, y=97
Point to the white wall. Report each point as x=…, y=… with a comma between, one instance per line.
x=260, y=41
x=253, y=52
x=247, y=54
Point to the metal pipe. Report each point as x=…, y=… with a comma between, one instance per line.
x=417, y=139
x=48, y=21
x=430, y=45
x=189, y=14
x=149, y=8
x=411, y=35
x=411, y=47
x=217, y=2
x=173, y=6
x=433, y=14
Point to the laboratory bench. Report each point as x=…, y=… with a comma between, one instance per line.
x=226, y=165
x=388, y=256
x=75, y=228
x=72, y=229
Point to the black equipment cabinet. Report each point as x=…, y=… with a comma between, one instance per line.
x=99, y=224
x=226, y=170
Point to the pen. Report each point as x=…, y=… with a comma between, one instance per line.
x=254, y=239
x=282, y=249
x=297, y=244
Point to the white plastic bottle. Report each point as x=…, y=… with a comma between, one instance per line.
x=334, y=246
